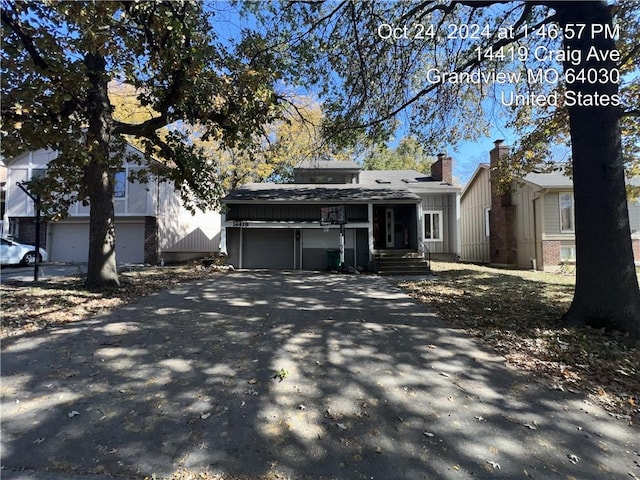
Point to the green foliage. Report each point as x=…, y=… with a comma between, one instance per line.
x=374, y=85
x=179, y=75
x=407, y=155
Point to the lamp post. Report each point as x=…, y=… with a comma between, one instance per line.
x=36, y=204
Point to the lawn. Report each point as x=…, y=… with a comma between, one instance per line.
x=29, y=307
x=518, y=313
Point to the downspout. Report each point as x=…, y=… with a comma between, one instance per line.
x=458, y=236
x=157, y=226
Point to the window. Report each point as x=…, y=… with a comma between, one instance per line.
x=120, y=184
x=487, y=230
x=433, y=226
x=566, y=212
x=568, y=254
x=38, y=173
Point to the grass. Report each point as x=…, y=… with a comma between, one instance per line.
x=518, y=313
x=30, y=307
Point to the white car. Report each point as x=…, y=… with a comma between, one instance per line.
x=12, y=252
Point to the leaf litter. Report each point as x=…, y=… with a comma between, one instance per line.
x=530, y=334
x=29, y=307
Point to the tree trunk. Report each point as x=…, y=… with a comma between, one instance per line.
x=606, y=293
x=99, y=178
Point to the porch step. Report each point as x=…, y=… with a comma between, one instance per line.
x=402, y=262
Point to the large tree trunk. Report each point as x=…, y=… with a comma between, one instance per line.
x=99, y=178
x=606, y=294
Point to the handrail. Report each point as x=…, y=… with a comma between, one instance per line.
x=426, y=252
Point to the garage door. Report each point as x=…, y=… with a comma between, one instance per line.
x=70, y=243
x=268, y=248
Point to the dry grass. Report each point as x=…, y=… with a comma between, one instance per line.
x=27, y=307
x=518, y=313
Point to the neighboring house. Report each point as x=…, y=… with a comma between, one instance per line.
x=280, y=226
x=3, y=189
x=151, y=223
x=532, y=226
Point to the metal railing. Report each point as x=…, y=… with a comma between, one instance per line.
x=422, y=248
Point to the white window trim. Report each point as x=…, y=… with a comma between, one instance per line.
x=126, y=184
x=572, y=253
x=430, y=213
x=487, y=224
x=573, y=213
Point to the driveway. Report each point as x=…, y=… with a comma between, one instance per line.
x=290, y=375
x=46, y=270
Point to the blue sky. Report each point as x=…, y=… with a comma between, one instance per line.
x=467, y=155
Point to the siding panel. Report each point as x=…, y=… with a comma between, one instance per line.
x=474, y=241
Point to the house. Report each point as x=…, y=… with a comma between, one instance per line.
x=379, y=213
x=150, y=222
x=531, y=226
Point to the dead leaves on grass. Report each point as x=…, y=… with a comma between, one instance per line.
x=61, y=300
x=519, y=315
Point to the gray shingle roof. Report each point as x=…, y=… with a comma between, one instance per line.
x=549, y=180
x=327, y=165
x=330, y=193
x=412, y=179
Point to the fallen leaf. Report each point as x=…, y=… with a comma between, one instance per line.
x=341, y=426
x=204, y=416
x=494, y=465
x=73, y=413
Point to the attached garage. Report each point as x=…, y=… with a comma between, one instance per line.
x=69, y=242
x=268, y=248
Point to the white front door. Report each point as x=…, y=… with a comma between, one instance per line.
x=389, y=223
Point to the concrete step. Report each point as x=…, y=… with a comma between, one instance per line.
x=409, y=263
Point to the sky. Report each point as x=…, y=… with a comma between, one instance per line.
x=467, y=155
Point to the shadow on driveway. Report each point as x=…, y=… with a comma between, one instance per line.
x=374, y=387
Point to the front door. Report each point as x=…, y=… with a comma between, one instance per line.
x=389, y=227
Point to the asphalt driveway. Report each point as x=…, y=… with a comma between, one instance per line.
x=290, y=375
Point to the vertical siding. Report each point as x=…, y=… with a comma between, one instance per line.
x=446, y=203
x=181, y=231
x=137, y=197
x=474, y=241
x=634, y=216
x=525, y=228
x=18, y=204
x=551, y=214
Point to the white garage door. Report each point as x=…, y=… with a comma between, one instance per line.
x=70, y=242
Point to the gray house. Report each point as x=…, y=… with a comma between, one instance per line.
x=398, y=213
x=150, y=221
x=531, y=226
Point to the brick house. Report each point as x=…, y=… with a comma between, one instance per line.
x=530, y=226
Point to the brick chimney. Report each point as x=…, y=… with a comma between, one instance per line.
x=442, y=169
x=502, y=232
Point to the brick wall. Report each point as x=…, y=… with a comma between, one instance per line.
x=502, y=232
x=442, y=169
x=150, y=240
x=636, y=249
x=550, y=253
x=27, y=232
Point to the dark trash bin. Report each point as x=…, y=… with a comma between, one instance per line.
x=333, y=259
